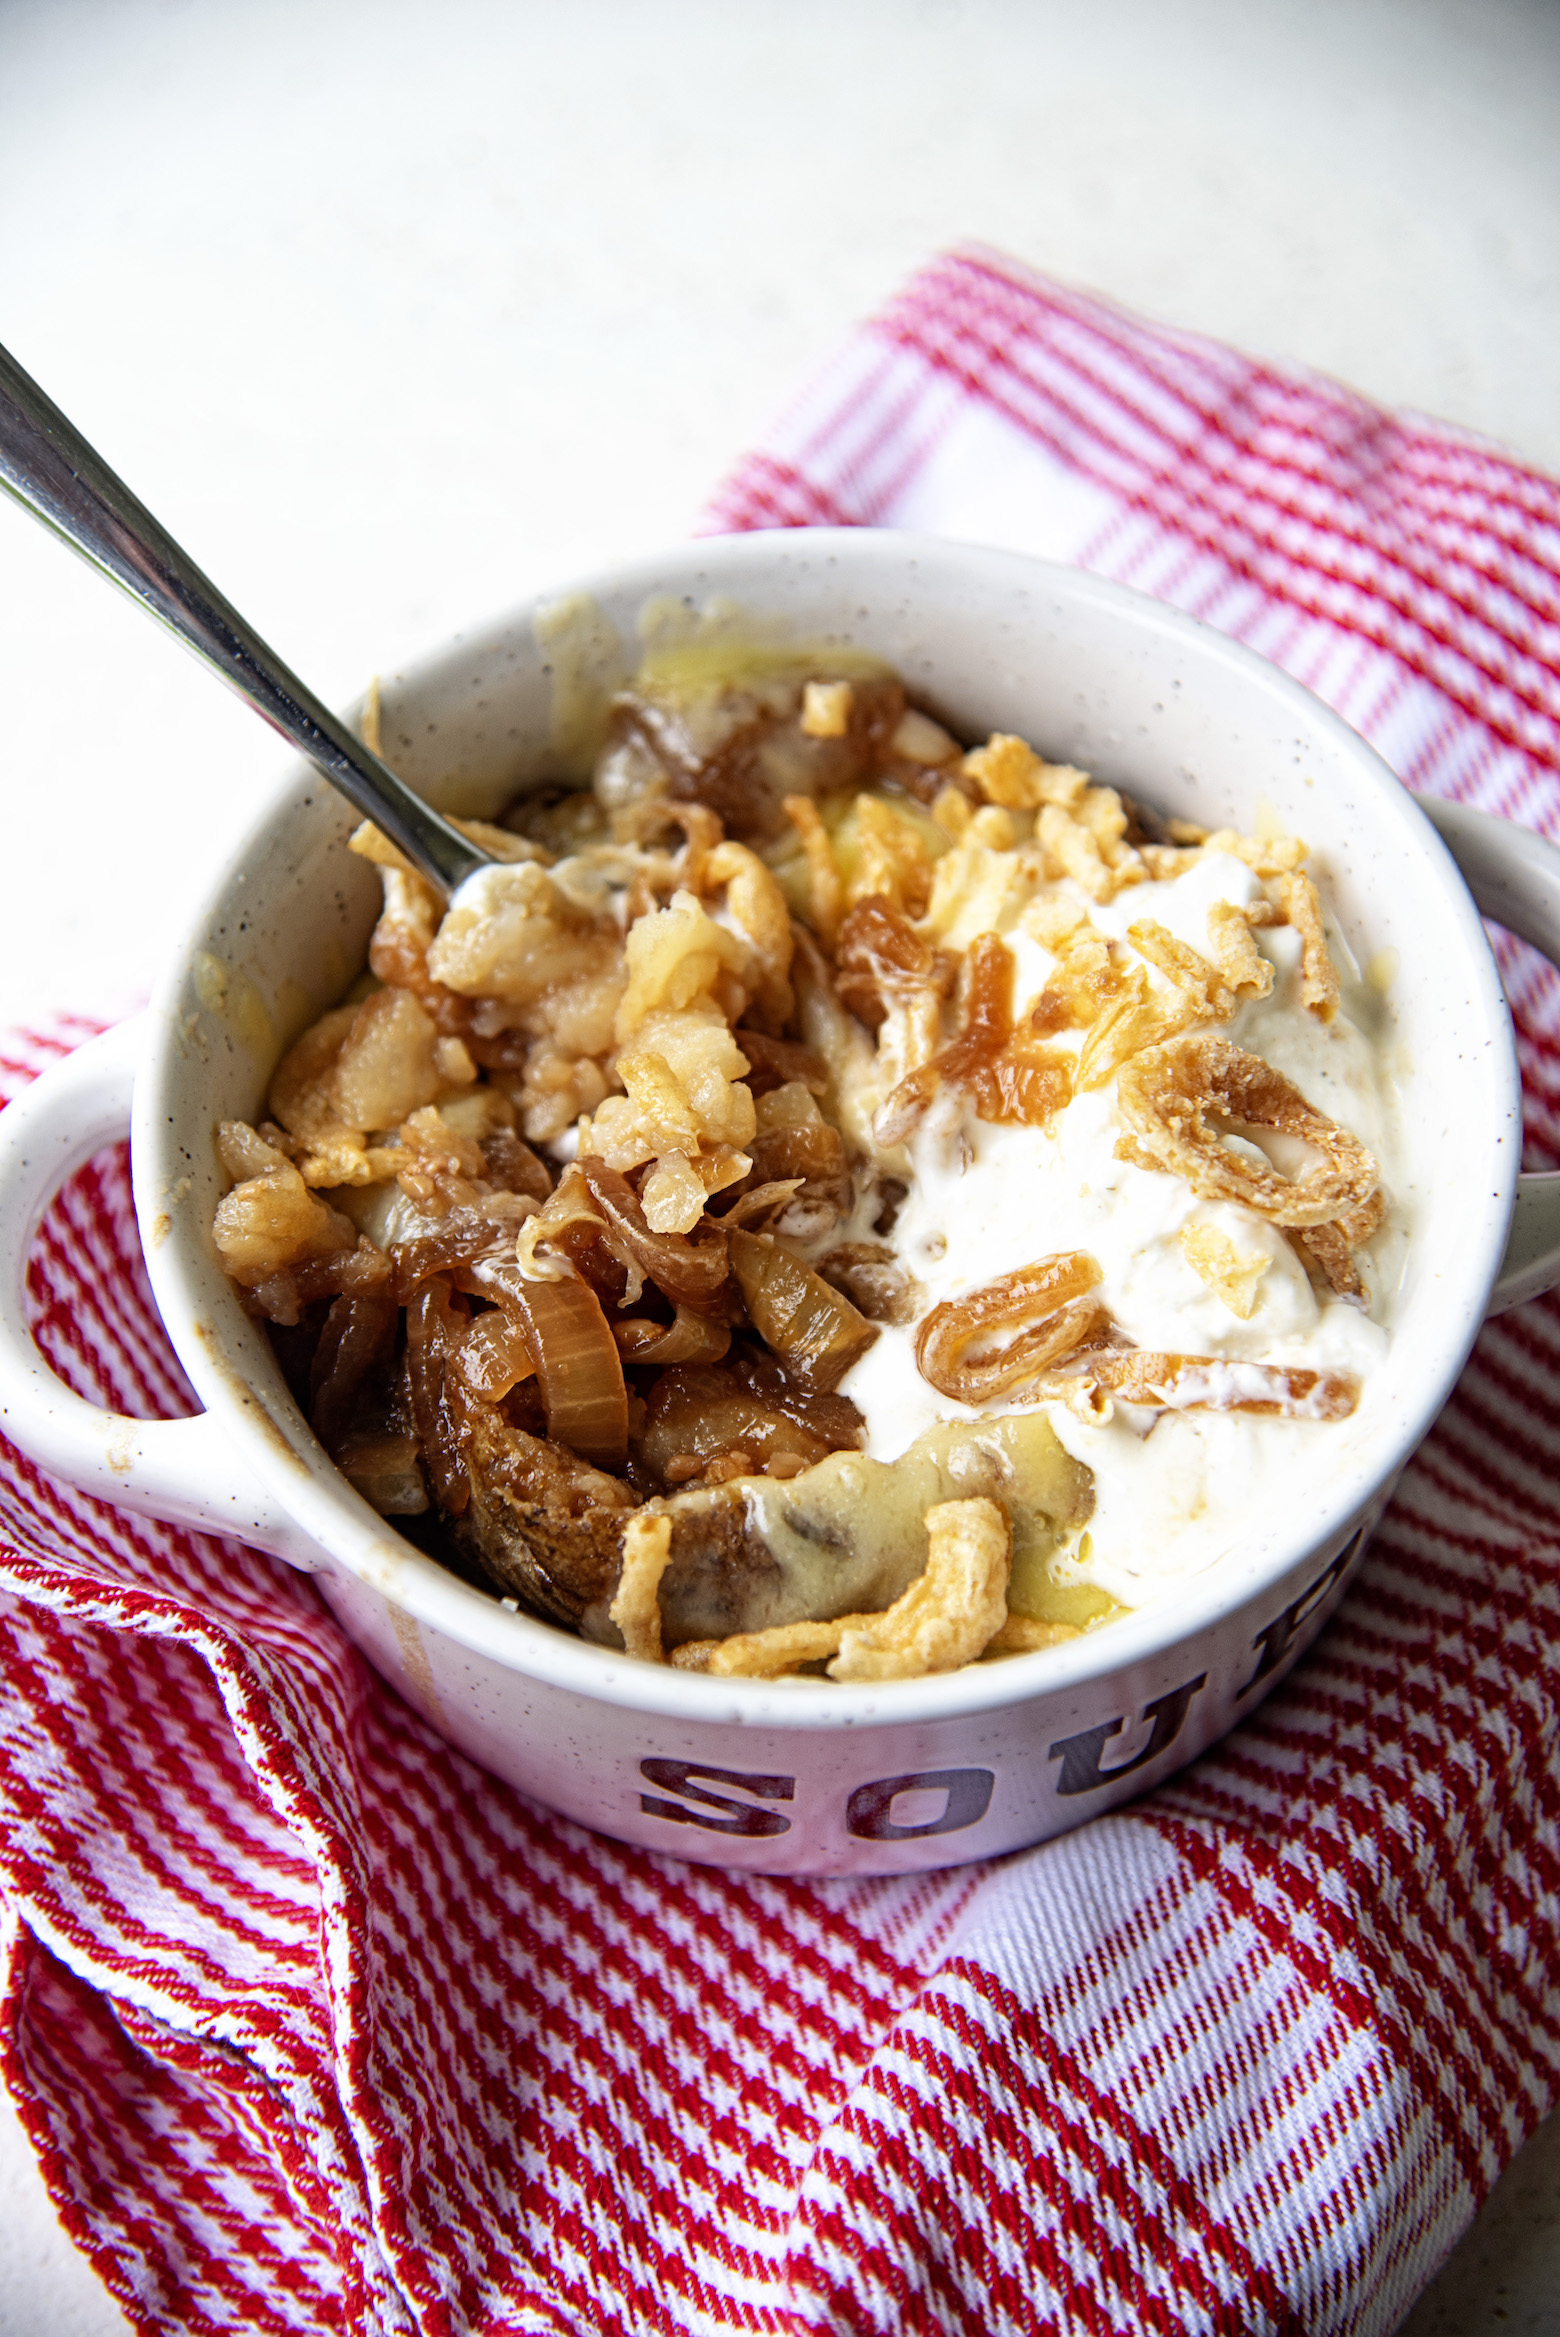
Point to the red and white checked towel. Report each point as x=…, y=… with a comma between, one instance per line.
x=317, y=2027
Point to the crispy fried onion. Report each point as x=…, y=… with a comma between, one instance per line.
x=947, y=1617
x=1296, y=898
x=1022, y=1635
x=1197, y=1383
x=756, y=909
x=1331, y=1251
x=1008, y=1075
x=1021, y=1325
x=1169, y=1094
x=636, y=1607
x=825, y=889
x=1139, y=1016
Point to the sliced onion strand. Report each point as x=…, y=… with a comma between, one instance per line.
x=577, y=1367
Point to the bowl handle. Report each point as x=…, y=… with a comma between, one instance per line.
x=1514, y=877
x=183, y=1471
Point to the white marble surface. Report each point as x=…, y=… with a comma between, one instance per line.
x=395, y=309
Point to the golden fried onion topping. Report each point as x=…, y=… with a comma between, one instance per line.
x=636, y=1608
x=1021, y=1325
x=1198, y=1383
x=1041, y=1336
x=1008, y=1075
x=1169, y=1095
x=947, y=1617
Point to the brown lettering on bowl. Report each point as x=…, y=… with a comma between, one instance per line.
x=1275, y=1640
x=1080, y=1754
x=967, y=1797
x=738, y=1817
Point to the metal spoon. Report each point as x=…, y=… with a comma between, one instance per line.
x=50, y=469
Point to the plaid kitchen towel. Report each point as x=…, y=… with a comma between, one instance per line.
x=315, y=2026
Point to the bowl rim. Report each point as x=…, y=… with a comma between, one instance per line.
x=285, y=1457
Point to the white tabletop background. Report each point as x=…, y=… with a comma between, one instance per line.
x=396, y=310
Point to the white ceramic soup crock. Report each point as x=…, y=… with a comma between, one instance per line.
x=806, y=1777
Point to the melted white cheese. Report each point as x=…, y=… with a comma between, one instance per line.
x=1174, y=1491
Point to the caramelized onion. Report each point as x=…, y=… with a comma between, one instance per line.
x=577, y=1367
x=359, y=1333
x=742, y=749
x=690, y=1268
x=435, y=1322
x=689, y=1338
x=383, y=1467
x=513, y=1166
x=571, y=1230
x=697, y=1416
x=1008, y=1075
x=798, y=1178
x=835, y=1418
x=1043, y=1310
x=806, y=1149
x=812, y=1152
x=760, y=1205
x=814, y=1330
x=1215, y=1383
x=494, y=1356
x=345, y=1273
x=776, y=1063
x=1026, y=1085
x=458, y=1239
x=880, y=960
x=873, y=1279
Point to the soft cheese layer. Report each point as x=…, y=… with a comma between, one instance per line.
x=1174, y=1491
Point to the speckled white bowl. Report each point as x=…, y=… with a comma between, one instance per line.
x=807, y=1777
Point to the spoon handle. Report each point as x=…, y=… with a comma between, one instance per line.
x=50, y=469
